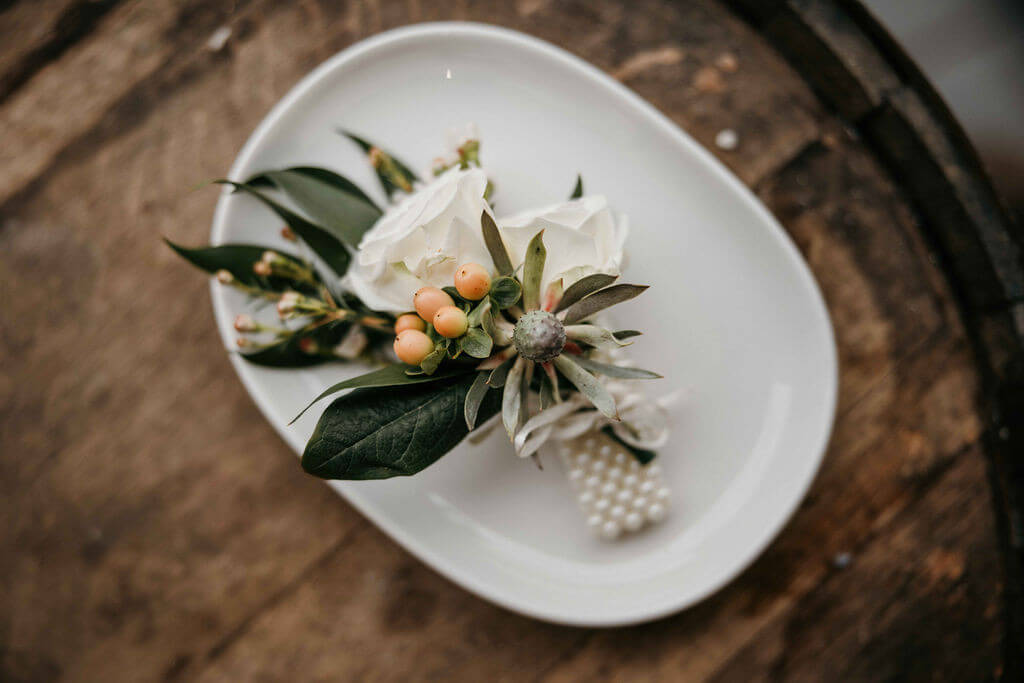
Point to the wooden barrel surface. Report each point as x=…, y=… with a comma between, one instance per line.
x=157, y=528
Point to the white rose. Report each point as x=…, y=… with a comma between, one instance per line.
x=421, y=241
x=582, y=237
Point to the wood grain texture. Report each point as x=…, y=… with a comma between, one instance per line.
x=156, y=528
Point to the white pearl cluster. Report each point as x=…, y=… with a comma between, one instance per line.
x=616, y=492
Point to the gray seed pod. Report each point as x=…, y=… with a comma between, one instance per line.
x=539, y=336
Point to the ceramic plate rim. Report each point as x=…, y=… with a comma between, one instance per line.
x=441, y=564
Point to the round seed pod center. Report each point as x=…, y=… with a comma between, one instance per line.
x=539, y=336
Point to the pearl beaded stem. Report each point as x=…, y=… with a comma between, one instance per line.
x=616, y=493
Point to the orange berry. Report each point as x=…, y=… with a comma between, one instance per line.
x=451, y=322
x=412, y=346
x=472, y=281
x=409, y=321
x=427, y=300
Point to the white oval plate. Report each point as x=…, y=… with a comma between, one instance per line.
x=733, y=318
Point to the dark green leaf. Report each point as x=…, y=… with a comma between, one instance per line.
x=238, y=260
x=343, y=214
x=495, y=246
x=432, y=362
x=476, y=343
x=505, y=292
x=325, y=175
x=327, y=246
x=626, y=334
x=616, y=371
x=600, y=300
x=497, y=377
x=474, y=397
x=642, y=455
x=577, y=191
x=389, y=187
x=533, y=270
x=583, y=287
x=289, y=354
x=391, y=431
x=390, y=376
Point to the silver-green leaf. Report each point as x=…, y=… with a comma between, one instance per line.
x=533, y=271
x=588, y=385
x=583, y=287
x=600, y=300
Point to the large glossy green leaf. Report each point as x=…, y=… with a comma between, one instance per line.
x=533, y=270
x=583, y=287
x=390, y=376
x=326, y=175
x=238, y=260
x=344, y=214
x=327, y=246
x=289, y=354
x=392, y=431
x=600, y=300
x=389, y=187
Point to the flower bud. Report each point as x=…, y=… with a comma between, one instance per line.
x=289, y=234
x=539, y=336
x=376, y=157
x=268, y=257
x=472, y=281
x=413, y=346
x=451, y=322
x=308, y=346
x=409, y=321
x=428, y=300
x=262, y=268
x=225, y=277
x=287, y=303
x=245, y=323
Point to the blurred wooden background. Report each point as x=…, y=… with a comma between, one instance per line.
x=154, y=526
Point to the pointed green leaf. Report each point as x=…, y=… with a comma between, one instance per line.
x=327, y=246
x=432, y=362
x=577, y=191
x=498, y=375
x=343, y=214
x=474, y=397
x=600, y=300
x=481, y=311
x=593, y=335
x=391, y=431
x=336, y=180
x=626, y=334
x=389, y=376
x=642, y=455
x=533, y=270
x=495, y=245
x=616, y=371
x=510, y=403
x=588, y=385
x=476, y=343
x=583, y=287
x=238, y=260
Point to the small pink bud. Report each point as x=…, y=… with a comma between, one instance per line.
x=287, y=303
x=376, y=157
x=308, y=345
x=245, y=323
x=268, y=257
x=225, y=277
x=262, y=268
x=289, y=234
x=242, y=342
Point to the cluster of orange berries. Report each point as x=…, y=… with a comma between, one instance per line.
x=412, y=345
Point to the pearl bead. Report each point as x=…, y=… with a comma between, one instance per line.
x=656, y=512
x=634, y=520
x=617, y=512
x=634, y=466
x=663, y=494
x=583, y=459
x=602, y=504
x=586, y=498
x=640, y=503
x=589, y=444
x=610, y=530
x=630, y=480
x=614, y=473
x=606, y=450
x=593, y=481
x=653, y=470
x=624, y=496
x=598, y=467
x=646, y=487
x=576, y=476
x=621, y=459
x=609, y=489
x=594, y=522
